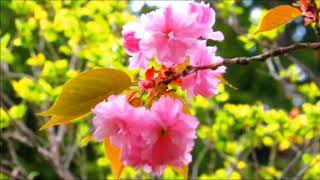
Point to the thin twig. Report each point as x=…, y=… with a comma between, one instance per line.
x=15, y=160
x=255, y=162
x=195, y=167
x=273, y=70
x=291, y=164
x=308, y=71
x=301, y=172
x=298, y=156
x=272, y=156
x=74, y=56
x=7, y=172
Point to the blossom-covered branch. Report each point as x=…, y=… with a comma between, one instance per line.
x=245, y=60
x=170, y=46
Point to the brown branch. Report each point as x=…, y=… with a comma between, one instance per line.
x=273, y=53
x=244, y=60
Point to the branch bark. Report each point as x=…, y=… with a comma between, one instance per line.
x=244, y=60
x=273, y=53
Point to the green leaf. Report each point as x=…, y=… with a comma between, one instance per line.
x=6, y=54
x=37, y=60
x=4, y=119
x=306, y=158
x=82, y=93
x=18, y=111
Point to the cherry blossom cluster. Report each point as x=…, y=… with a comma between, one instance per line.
x=172, y=35
x=311, y=13
x=148, y=138
x=159, y=132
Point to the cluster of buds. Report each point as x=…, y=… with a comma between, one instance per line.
x=310, y=11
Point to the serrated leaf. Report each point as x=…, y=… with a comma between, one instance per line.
x=83, y=92
x=113, y=154
x=278, y=16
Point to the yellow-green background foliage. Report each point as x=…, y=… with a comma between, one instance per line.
x=265, y=129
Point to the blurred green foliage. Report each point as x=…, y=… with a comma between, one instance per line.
x=251, y=131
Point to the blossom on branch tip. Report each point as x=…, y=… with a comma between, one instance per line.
x=308, y=11
x=138, y=59
x=168, y=34
x=203, y=82
x=205, y=19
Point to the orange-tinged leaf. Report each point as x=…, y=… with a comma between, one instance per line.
x=278, y=16
x=83, y=92
x=113, y=154
x=183, y=171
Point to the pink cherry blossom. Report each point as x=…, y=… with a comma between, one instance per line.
x=138, y=58
x=111, y=116
x=116, y=118
x=205, y=19
x=203, y=82
x=168, y=35
x=151, y=139
x=138, y=136
x=163, y=135
x=175, y=136
x=130, y=128
x=131, y=43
